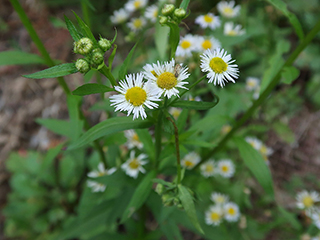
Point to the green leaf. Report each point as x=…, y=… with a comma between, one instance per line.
x=60, y=127
x=146, y=139
x=174, y=37
x=76, y=124
x=256, y=164
x=126, y=62
x=188, y=205
x=292, y=18
x=140, y=195
x=290, y=217
x=161, y=40
x=56, y=71
x=72, y=30
x=284, y=132
x=107, y=127
x=91, y=88
x=19, y=58
x=197, y=105
x=289, y=74
x=184, y=4
x=85, y=29
x=198, y=143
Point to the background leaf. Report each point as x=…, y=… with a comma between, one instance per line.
x=184, y=4
x=19, y=58
x=126, y=62
x=53, y=72
x=161, y=40
x=91, y=88
x=289, y=74
x=197, y=105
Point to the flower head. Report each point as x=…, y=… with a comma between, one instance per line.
x=119, y=16
x=208, y=169
x=233, y=30
x=252, y=83
x=152, y=13
x=219, y=67
x=208, y=21
x=306, y=200
x=95, y=186
x=175, y=112
x=226, y=168
x=214, y=215
x=101, y=171
x=219, y=198
x=132, y=139
x=136, y=24
x=227, y=9
x=208, y=43
x=231, y=212
x=187, y=45
x=166, y=77
x=254, y=142
x=133, y=165
x=315, y=216
x=133, y=5
x=134, y=96
x=190, y=160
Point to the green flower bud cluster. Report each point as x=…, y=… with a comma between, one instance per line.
x=171, y=14
x=169, y=195
x=93, y=53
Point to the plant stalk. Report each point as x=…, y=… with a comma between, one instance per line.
x=106, y=72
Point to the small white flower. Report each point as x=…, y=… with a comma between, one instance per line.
x=226, y=168
x=166, y=77
x=133, y=165
x=254, y=142
x=152, y=13
x=252, y=83
x=95, y=186
x=214, y=215
x=187, y=45
x=219, y=67
x=233, y=30
x=231, y=212
x=132, y=139
x=227, y=9
x=315, y=237
x=209, y=20
x=119, y=16
x=175, y=112
x=134, y=96
x=101, y=171
x=219, y=198
x=136, y=24
x=205, y=43
x=315, y=216
x=306, y=200
x=208, y=169
x=133, y=5
x=265, y=151
x=190, y=160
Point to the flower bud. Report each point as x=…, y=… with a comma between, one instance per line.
x=104, y=44
x=163, y=20
x=83, y=46
x=82, y=65
x=167, y=9
x=180, y=13
x=97, y=57
x=167, y=200
x=159, y=188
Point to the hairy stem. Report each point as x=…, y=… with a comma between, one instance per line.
x=106, y=72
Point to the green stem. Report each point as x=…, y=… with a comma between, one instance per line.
x=176, y=135
x=106, y=72
x=264, y=94
x=35, y=38
x=158, y=137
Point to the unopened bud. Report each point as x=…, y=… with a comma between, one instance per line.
x=83, y=46
x=159, y=188
x=163, y=20
x=167, y=200
x=180, y=13
x=167, y=9
x=97, y=56
x=82, y=65
x=104, y=44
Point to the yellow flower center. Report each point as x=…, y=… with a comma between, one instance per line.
x=226, y=129
x=218, y=65
x=185, y=44
x=232, y=33
x=134, y=164
x=215, y=216
x=155, y=14
x=136, y=96
x=100, y=174
x=228, y=10
x=137, y=23
x=208, y=18
x=135, y=137
x=176, y=113
x=206, y=44
x=251, y=83
x=188, y=163
x=231, y=211
x=263, y=150
x=225, y=169
x=137, y=4
x=307, y=201
x=167, y=80
x=220, y=199
x=209, y=168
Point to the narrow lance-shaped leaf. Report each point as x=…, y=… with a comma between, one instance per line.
x=19, y=58
x=124, y=66
x=91, y=88
x=194, y=105
x=161, y=40
x=53, y=72
x=174, y=38
x=290, y=217
x=85, y=29
x=140, y=195
x=72, y=30
x=184, y=4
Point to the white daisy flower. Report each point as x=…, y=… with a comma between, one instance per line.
x=133, y=5
x=315, y=216
x=152, y=13
x=231, y=212
x=227, y=9
x=134, y=96
x=208, y=169
x=205, y=43
x=264, y=150
x=252, y=83
x=219, y=198
x=226, y=168
x=256, y=93
x=101, y=171
x=219, y=67
x=133, y=165
x=132, y=139
x=254, y=142
x=190, y=160
x=233, y=30
x=166, y=77
x=214, y=215
x=95, y=186
x=136, y=24
x=175, y=112
x=119, y=16
x=187, y=45
x=209, y=20
x=307, y=199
